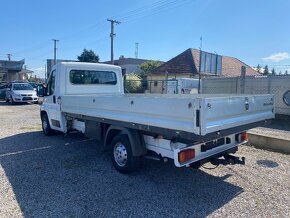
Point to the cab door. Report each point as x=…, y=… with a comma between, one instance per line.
x=52, y=102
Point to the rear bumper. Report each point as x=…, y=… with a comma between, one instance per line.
x=204, y=156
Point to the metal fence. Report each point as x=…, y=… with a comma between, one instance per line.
x=278, y=85
x=151, y=86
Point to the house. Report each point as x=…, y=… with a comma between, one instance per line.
x=189, y=63
x=131, y=65
x=25, y=74
x=9, y=70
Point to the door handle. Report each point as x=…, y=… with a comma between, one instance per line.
x=54, y=101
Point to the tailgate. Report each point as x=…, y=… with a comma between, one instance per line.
x=218, y=113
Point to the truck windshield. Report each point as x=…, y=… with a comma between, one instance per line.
x=23, y=86
x=92, y=77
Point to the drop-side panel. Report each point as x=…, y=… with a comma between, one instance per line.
x=165, y=111
x=220, y=113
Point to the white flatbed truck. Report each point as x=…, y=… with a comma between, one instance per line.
x=189, y=129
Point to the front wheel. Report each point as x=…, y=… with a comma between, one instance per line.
x=11, y=101
x=122, y=156
x=45, y=125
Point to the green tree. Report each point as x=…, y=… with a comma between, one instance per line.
x=88, y=56
x=273, y=71
x=133, y=83
x=286, y=72
x=149, y=66
x=266, y=70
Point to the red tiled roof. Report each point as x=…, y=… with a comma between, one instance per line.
x=188, y=63
x=184, y=63
x=232, y=67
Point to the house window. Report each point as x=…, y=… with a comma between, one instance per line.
x=155, y=83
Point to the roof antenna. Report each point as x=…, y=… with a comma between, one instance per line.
x=200, y=43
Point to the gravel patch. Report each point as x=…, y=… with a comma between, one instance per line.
x=71, y=176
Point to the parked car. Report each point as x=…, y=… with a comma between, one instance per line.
x=38, y=88
x=3, y=89
x=33, y=84
x=20, y=92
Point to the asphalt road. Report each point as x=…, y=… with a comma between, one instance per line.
x=71, y=176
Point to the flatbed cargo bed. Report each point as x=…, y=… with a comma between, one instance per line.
x=197, y=114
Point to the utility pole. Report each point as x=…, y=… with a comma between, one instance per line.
x=55, y=41
x=112, y=35
x=199, y=73
x=9, y=57
x=45, y=73
x=136, y=49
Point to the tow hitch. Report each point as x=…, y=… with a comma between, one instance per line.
x=228, y=159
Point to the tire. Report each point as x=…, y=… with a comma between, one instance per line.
x=11, y=101
x=45, y=125
x=122, y=156
x=6, y=99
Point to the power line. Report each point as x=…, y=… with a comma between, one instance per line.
x=33, y=47
x=155, y=10
x=129, y=16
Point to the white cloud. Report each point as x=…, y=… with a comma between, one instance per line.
x=38, y=71
x=277, y=57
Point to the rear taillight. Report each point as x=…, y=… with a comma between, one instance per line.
x=242, y=137
x=186, y=155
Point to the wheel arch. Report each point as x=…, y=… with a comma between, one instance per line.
x=42, y=113
x=135, y=138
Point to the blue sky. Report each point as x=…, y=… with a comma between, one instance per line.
x=255, y=31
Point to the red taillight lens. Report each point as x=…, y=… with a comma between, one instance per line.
x=244, y=136
x=186, y=155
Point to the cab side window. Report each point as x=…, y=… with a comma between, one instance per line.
x=51, y=84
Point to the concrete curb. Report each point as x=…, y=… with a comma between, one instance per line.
x=269, y=143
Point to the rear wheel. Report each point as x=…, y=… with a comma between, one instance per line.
x=45, y=125
x=122, y=156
